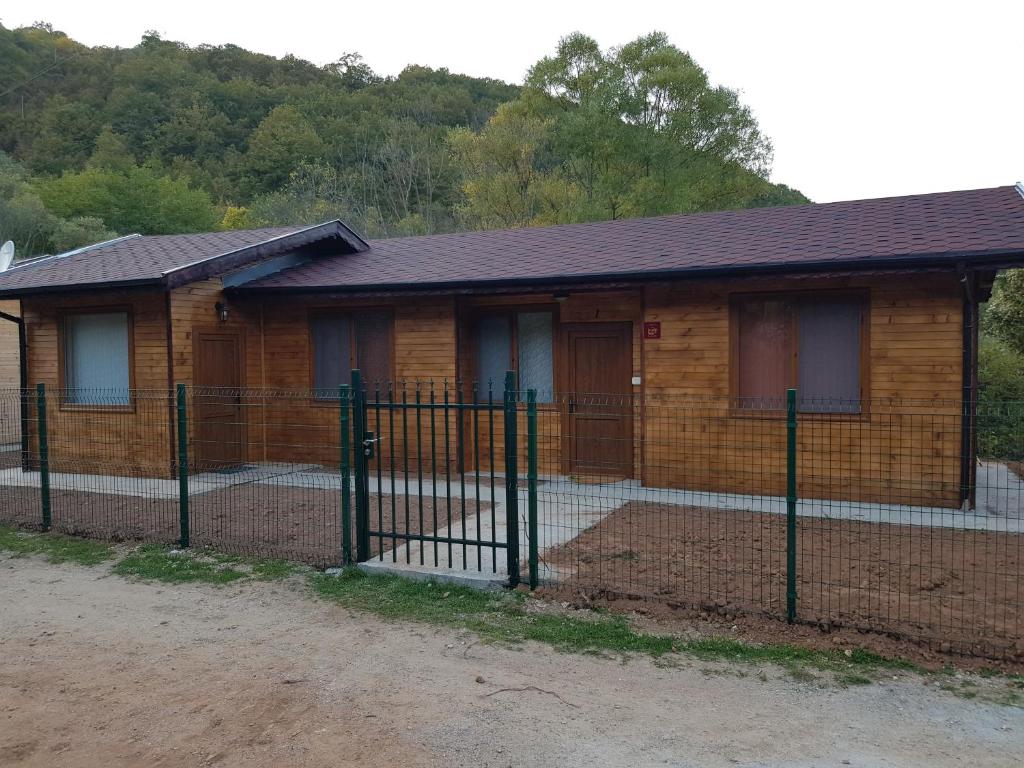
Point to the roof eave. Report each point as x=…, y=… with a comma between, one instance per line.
x=109, y=285
x=241, y=257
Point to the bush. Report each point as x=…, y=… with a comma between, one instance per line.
x=1000, y=400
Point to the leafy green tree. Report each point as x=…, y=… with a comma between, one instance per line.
x=283, y=140
x=23, y=217
x=1003, y=317
x=506, y=182
x=69, y=234
x=139, y=200
x=111, y=153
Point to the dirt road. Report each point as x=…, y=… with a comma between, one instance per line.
x=98, y=671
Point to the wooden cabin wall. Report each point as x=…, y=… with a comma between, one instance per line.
x=579, y=307
x=907, y=451
x=135, y=440
x=10, y=375
x=424, y=351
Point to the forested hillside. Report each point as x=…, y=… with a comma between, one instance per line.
x=163, y=137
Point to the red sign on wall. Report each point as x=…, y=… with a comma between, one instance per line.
x=652, y=330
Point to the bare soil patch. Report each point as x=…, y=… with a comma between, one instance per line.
x=267, y=520
x=956, y=590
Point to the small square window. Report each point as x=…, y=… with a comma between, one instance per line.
x=812, y=343
x=342, y=342
x=96, y=359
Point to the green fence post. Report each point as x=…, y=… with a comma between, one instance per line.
x=790, y=505
x=531, y=477
x=44, y=456
x=346, y=482
x=183, y=520
x=361, y=465
x=511, y=479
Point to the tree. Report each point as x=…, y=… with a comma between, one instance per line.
x=353, y=71
x=283, y=140
x=111, y=153
x=69, y=234
x=1003, y=317
x=23, y=217
x=506, y=183
x=652, y=84
x=139, y=200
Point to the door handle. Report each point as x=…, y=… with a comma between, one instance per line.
x=572, y=406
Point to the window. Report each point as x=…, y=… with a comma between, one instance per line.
x=96, y=359
x=812, y=343
x=520, y=341
x=343, y=342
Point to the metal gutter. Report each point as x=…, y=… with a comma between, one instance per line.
x=969, y=373
x=106, y=285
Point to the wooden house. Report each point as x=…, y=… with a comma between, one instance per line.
x=691, y=326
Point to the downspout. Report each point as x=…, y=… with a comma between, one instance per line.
x=969, y=400
x=23, y=379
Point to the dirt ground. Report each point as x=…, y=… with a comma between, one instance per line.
x=960, y=589
x=295, y=523
x=99, y=671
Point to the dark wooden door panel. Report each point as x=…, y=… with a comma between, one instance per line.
x=219, y=431
x=599, y=403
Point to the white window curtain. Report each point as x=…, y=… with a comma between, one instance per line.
x=96, y=365
x=536, y=354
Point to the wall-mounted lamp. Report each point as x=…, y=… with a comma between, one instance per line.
x=561, y=295
x=222, y=311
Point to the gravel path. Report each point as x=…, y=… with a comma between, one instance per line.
x=99, y=671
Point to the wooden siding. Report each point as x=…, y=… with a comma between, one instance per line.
x=685, y=435
x=581, y=307
x=96, y=439
x=905, y=451
x=10, y=375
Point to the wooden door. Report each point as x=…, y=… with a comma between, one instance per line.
x=217, y=415
x=598, y=421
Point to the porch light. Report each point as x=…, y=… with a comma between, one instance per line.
x=222, y=311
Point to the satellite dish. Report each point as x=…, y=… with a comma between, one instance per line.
x=6, y=255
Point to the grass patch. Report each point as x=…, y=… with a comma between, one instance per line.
x=54, y=547
x=507, y=617
x=496, y=616
x=153, y=562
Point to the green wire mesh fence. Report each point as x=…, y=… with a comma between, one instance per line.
x=838, y=514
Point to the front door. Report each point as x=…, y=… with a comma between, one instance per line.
x=598, y=421
x=219, y=429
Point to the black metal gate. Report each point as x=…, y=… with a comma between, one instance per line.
x=436, y=476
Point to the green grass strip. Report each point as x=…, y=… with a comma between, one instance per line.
x=513, y=617
x=54, y=547
x=153, y=562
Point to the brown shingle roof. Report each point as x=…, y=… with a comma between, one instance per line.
x=135, y=260
x=920, y=229
x=915, y=231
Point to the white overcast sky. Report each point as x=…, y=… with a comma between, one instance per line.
x=861, y=99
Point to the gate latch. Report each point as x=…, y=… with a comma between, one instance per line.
x=368, y=443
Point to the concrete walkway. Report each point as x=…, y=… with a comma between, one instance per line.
x=151, y=487
x=565, y=508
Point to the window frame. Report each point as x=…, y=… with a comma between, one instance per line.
x=861, y=295
x=510, y=312
x=62, y=342
x=351, y=314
